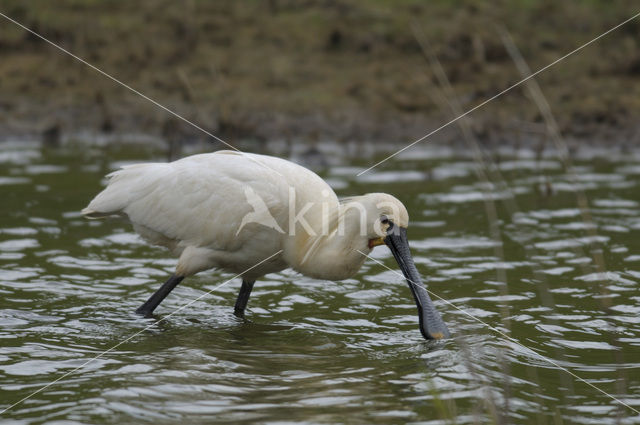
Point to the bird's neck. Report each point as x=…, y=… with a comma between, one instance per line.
x=334, y=252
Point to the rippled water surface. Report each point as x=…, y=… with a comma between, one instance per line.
x=562, y=283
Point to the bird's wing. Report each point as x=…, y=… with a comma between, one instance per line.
x=199, y=200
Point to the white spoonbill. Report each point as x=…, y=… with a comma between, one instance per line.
x=231, y=210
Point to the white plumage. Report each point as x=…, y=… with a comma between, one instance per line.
x=231, y=210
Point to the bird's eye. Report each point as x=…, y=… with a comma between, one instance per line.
x=384, y=219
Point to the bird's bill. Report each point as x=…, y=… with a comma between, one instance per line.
x=431, y=324
x=375, y=242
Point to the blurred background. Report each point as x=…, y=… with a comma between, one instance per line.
x=313, y=70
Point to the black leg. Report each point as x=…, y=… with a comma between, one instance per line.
x=243, y=297
x=147, y=308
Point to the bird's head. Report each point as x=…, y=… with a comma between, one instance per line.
x=382, y=213
x=386, y=223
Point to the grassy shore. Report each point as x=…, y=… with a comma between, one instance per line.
x=315, y=69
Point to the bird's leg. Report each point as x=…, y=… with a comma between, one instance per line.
x=147, y=308
x=243, y=297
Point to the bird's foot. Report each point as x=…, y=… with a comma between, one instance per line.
x=144, y=312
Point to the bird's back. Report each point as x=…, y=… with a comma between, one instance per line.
x=201, y=200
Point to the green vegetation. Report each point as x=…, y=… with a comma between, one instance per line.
x=328, y=69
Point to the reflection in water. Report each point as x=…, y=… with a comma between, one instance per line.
x=329, y=352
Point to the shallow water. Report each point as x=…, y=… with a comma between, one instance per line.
x=331, y=352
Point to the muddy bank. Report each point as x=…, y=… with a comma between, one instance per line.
x=315, y=70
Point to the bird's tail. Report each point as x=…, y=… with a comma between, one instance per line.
x=89, y=213
x=124, y=186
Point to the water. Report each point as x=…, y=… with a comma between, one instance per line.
x=318, y=352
